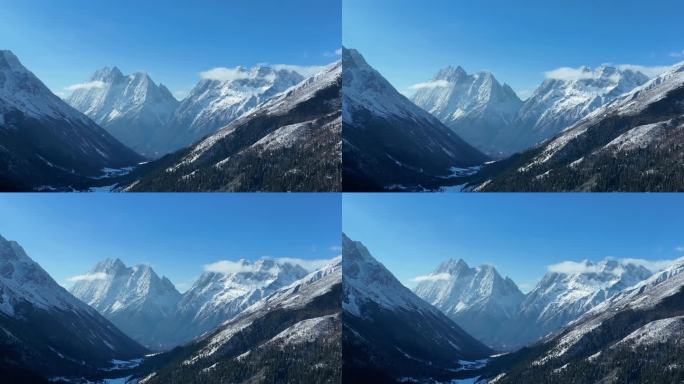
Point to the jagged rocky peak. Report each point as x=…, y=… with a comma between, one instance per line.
x=451, y=74
x=452, y=266
x=108, y=74
x=8, y=61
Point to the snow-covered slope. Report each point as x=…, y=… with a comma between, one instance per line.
x=292, y=142
x=389, y=332
x=477, y=107
x=135, y=299
x=45, y=143
x=295, y=332
x=389, y=142
x=632, y=332
x=631, y=143
x=132, y=108
x=215, y=103
x=477, y=299
x=45, y=328
x=558, y=103
x=560, y=298
x=216, y=297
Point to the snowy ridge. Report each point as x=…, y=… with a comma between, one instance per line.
x=20, y=89
x=279, y=104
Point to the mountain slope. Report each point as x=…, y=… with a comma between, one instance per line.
x=560, y=298
x=389, y=333
x=633, y=337
x=477, y=107
x=47, y=330
x=135, y=299
x=293, y=335
x=132, y=108
x=630, y=144
x=216, y=297
x=292, y=142
x=46, y=144
x=559, y=103
x=215, y=103
x=389, y=142
x=478, y=299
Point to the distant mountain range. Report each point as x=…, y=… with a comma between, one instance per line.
x=492, y=117
x=263, y=129
x=494, y=310
x=630, y=144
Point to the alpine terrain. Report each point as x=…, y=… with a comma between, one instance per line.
x=292, y=142
x=478, y=299
x=389, y=334
x=477, y=107
x=292, y=335
x=388, y=142
x=631, y=144
x=45, y=144
x=135, y=299
x=134, y=109
x=45, y=332
x=634, y=337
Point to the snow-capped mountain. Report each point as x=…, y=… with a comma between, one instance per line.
x=477, y=107
x=478, y=299
x=389, y=333
x=215, y=103
x=560, y=298
x=389, y=142
x=559, y=103
x=217, y=296
x=46, y=329
x=630, y=144
x=134, y=109
x=46, y=144
x=292, y=142
x=291, y=335
x=629, y=334
x=135, y=298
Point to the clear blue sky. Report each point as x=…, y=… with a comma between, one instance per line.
x=409, y=40
x=175, y=233
x=520, y=234
x=63, y=42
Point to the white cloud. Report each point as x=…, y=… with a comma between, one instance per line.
x=679, y=248
x=229, y=266
x=97, y=84
x=337, y=52
x=431, y=277
x=572, y=267
x=582, y=73
x=306, y=71
x=648, y=71
x=677, y=54
x=335, y=248
x=429, y=85
x=225, y=74
x=88, y=277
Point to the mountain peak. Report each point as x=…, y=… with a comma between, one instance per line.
x=109, y=265
x=452, y=267
x=8, y=61
x=451, y=74
x=107, y=74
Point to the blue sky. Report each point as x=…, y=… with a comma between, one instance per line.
x=520, y=234
x=409, y=40
x=64, y=42
x=178, y=234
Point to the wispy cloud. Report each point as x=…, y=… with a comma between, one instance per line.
x=582, y=73
x=335, y=248
x=429, y=85
x=88, y=277
x=679, y=248
x=677, y=54
x=97, y=84
x=573, y=267
x=225, y=74
x=335, y=53
x=229, y=266
x=431, y=277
